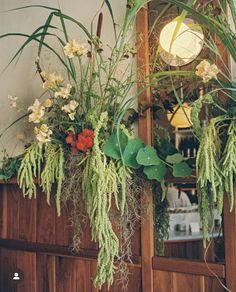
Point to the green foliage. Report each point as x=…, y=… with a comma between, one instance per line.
x=181, y=169
x=216, y=25
x=229, y=162
x=156, y=172
x=208, y=157
x=174, y=158
x=29, y=169
x=131, y=151
x=147, y=156
x=116, y=145
x=100, y=184
x=10, y=166
x=165, y=148
x=53, y=171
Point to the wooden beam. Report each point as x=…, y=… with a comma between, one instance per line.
x=145, y=133
x=188, y=267
x=230, y=243
x=56, y=250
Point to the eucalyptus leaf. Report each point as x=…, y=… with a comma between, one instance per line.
x=181, y=169
x=175, y=158
x=156, y=172
x=131, y=151
x=113, y=148
x=148, y=156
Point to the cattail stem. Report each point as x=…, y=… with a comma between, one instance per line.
x=99, y=26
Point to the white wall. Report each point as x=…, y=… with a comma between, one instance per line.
x=21, y=79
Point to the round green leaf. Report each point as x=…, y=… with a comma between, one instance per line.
x=175, y=158
x=131, y=151
x=148, y=156
x=181, y=170
x=113, y=148
x=156, y=172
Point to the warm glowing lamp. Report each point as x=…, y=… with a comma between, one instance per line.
x=180, y=118
x=186, y=45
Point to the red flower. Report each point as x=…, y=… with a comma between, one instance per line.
x=70, y=138
x=88, y=133
x=89, y=142
x=83, y=143
x=85, y=140
x=82, y=147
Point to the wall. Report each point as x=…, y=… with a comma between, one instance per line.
x=21, y=80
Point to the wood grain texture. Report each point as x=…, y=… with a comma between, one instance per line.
x=188, y=266
x=46, y=217
x=145, y=133
x=27, y=218
x=230, y=243
x=12, y=211
x=46, y=273
x=16, y=261
x=183, y=282
x=73, y=275
x=162, y=281
x=213, y=285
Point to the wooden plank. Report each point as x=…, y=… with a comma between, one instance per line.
x=88, y=254
x=145, y=133
x=22, y=262
x=46, y=273
x=26, y=262
x=63, y=232
x=183, y=282
x=3, y=212
x=213, y=284
x=188, y=267
x=162, y=281
x=11, y=203
x=46, y=216
x=8, y=266
x=230, y=243
x=27, y=218
x=73, y=275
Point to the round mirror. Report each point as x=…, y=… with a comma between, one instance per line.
x=185, y=47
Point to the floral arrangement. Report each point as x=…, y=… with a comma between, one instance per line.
x=83, y=140
x=77, y=122
x=84, y=143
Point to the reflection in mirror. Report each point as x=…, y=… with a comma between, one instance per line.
x=178, y=225
x=179, y=230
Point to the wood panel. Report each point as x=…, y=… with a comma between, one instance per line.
x=162, y=281
x=184, y=282
x=188, y=266
x=145, y=133
x=180, y=282
x=230, y=243
x=29, y=228
x=18, y=261
x=46, y=273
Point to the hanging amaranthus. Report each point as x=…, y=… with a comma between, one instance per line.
x=100, y=184
x=29, y=169
x=210, y=182
x=53, y=172
x=229, y=162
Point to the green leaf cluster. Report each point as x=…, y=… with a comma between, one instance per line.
x=9, y=168
x=135, y=155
